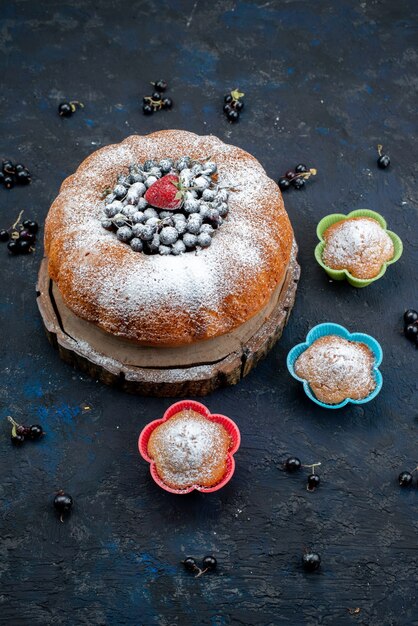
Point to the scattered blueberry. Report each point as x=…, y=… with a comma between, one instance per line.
x=35, y=432
x=405, y=479
x=23, y=177
x=63, y=503
x=9, y=182
x=13, y=247
x=24, y=246
x=411, y=331
x=296, y=177
x=17, y=439
x=410, y=317
x=313, y=482
x=292, y=464
x=284, y=184
x=25, y=235
x=209, y=563
x=311, y=561
x=298, y=183
x=14, y=174
x=20, y=433
x=383, y=161
x=233, y=115
x=31, y=226
x=233, y=105
x=160, y=85
x=8, y=167
x=167, y=103
x=65, y=109
x=190, y=564
x=155, y=102
x=4, y=235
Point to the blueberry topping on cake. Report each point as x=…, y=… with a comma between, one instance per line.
x=204, y=240
x=136, y=244
x=124, y=233
x=166, y=207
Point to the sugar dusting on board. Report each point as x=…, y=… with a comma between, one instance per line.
x=189, y=450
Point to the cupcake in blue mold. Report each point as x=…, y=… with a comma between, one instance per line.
x=337, y=367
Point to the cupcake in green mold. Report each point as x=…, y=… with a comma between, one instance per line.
x=356, y=246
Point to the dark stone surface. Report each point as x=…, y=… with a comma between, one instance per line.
x=325, y=82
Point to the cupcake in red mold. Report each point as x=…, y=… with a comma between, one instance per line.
x=190, y=448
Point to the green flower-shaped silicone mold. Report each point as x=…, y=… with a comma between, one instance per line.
x=327, y=221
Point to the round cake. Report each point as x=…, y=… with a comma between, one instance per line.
x=168, y=239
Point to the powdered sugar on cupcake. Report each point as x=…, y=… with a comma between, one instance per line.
x=337, y=369
x=359, y=245
x=189, y=449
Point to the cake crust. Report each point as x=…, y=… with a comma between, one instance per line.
x=168, y=301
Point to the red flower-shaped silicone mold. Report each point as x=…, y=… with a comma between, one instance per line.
x=227, y=423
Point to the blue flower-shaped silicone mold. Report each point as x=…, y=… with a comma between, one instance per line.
x=335, y=329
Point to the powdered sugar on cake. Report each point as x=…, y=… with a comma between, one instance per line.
x=118, y=284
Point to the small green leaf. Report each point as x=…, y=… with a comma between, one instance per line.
x=106, y=192
x=178, y=195
x=237, y=94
